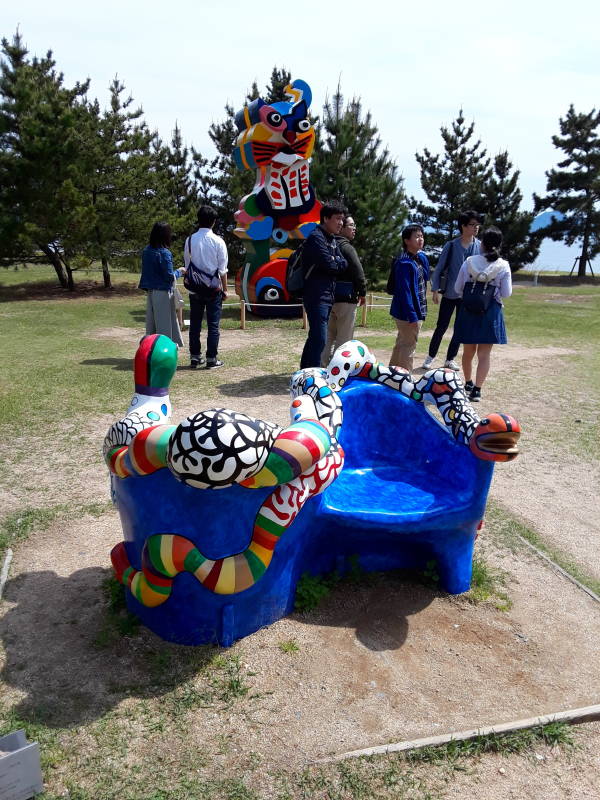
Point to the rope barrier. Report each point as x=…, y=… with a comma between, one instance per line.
x=368, y=305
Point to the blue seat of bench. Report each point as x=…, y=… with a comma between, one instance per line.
x=403, y=469
x=395, y=497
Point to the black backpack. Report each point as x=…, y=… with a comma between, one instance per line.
x=389, y=287
x=294, y=272
x=477, y=296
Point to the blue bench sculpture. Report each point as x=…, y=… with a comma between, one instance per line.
x=363, y=470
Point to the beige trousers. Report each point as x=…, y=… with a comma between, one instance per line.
x=406, y=344
x=339, y=330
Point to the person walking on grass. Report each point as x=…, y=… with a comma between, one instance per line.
x=350, y=290
x=444, y=277
x=158, y=280
x=209, y=253
x=409, y=275
x=479, y=330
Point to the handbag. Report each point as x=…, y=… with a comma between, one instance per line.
x=197, y=281
x=443, y=282
x=477, y=296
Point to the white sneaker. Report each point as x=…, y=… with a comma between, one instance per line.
x=452, y=365
x=427, y=363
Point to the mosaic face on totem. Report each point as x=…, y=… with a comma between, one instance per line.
x=276, y=139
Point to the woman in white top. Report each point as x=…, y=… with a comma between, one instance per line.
x=479, y=330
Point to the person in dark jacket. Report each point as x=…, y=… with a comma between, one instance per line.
x=322, y=262
x=409, y=302
x=350, y=290
x=158, y=278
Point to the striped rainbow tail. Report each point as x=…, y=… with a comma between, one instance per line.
x=165, y=555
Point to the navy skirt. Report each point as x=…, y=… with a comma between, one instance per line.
x=485, y=328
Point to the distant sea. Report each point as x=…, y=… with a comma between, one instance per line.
x=557, y=256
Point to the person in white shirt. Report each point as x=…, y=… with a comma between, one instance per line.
x=480, y=322
x=209, y=253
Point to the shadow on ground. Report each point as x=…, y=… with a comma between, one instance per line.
x=256, y=387
x=73, y=667
x=378, y=607
x=48, y=290
x=118, y=364
x=63, y=655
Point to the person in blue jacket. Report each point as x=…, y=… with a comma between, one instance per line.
x=158, y=279
x=322, y=262
x=410, y=272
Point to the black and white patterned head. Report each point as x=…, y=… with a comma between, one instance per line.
x=219, y=447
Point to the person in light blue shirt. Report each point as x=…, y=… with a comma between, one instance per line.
x=444, y=277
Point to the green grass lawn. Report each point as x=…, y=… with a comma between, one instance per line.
x=57, y=367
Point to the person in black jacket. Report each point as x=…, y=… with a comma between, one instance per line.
x=350, y=290
x=322, y=262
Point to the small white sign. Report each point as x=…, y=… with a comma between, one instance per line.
x=20, y=771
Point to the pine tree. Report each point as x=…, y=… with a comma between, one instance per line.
x=120, y=179
x=350, y=164
x=181, y=185
x=502, y=206
x=44, y=204
x=227, y=184
x=453, y=182
x=574, y=187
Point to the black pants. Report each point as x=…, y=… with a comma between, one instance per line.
x=447, y=308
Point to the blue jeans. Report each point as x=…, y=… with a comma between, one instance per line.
x=317, y=315
x=198, y=305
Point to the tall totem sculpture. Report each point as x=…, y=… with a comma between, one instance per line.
x=275, y=139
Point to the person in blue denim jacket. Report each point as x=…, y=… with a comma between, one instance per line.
x=158, y=278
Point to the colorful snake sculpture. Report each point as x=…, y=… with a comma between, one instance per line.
x=219, y=447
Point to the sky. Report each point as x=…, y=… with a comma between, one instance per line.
x=513, y=67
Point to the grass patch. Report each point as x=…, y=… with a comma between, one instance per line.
x=118, y=621
x=520, y=742
x=511, y=531
x=420, y=774
x=487, y=585
x=311, y=590
x=430, y=576
x=289, y=646
x=17, y=526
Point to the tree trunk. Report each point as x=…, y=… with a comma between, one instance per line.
x=54, y=259
x=106, y=273
x=583, y=258
x=70, y=281
x=105, y=264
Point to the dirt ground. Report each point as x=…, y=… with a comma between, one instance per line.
x=377, y=663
